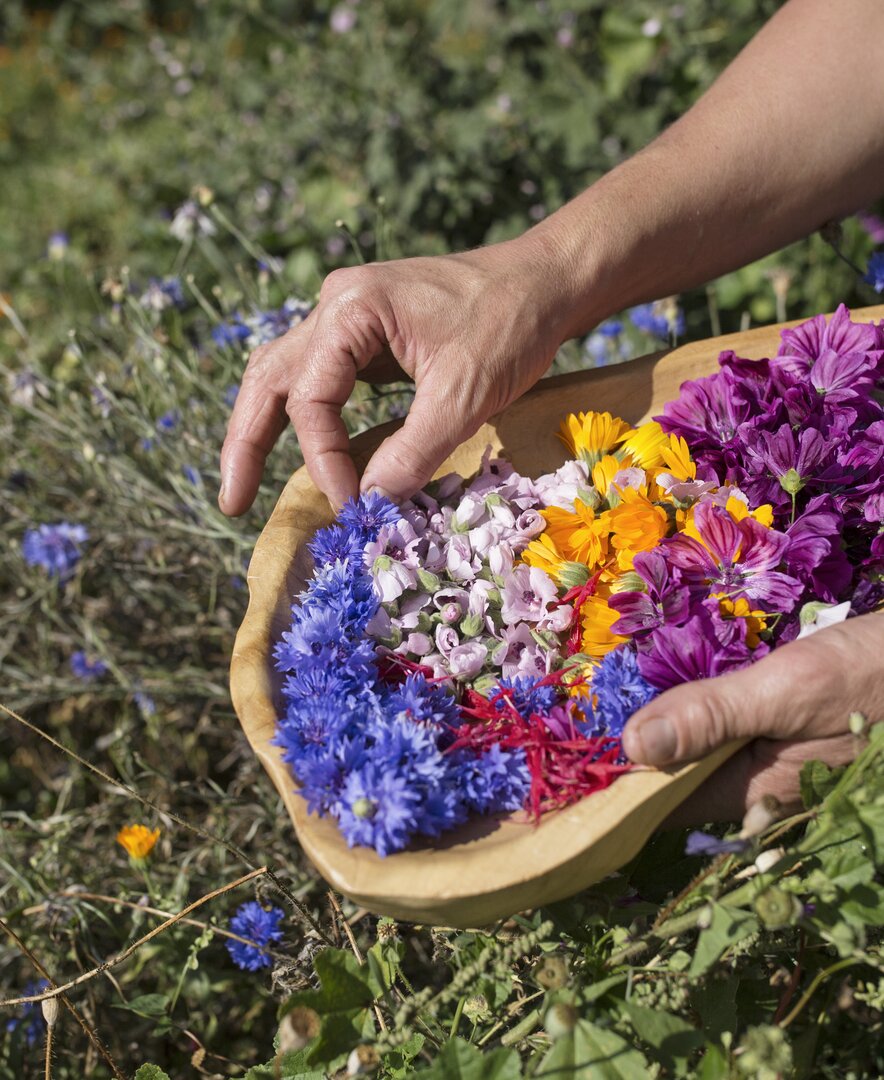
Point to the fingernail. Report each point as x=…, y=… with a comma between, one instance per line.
x=376, y=490
x=222, y=491
x=652, y=742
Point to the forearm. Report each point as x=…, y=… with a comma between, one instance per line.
x=790, y=136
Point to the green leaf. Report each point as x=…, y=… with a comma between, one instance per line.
x=714, y=1065
x=459, y=1060
x=590, y=1052
x=817, y=779
x=347, y=990
x=672, y=1038
x=728, y=926
x=397, y=1063
x=716, y=1004
x=290, y=1066
x=151, y=1072
x=152, y=1006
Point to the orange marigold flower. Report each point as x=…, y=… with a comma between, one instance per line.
x=592, y=435
x=138, y=840
x=635, y=524
x=578, y=534
x=597, y=619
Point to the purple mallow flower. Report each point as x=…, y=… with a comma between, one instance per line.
x=259, y=925
x=55, y=547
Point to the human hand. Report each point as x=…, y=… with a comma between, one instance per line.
x=474, y=331
x=794, y=704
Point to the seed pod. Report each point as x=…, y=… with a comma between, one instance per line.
x=475, y=1008
x=560, y=1020
x=49, y=1008
x=299, y=1026
x=777, y=908
x=551, y=972
x=362, y=1060
x=760, y=816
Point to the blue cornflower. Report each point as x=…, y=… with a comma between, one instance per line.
x=57, y=246
x=378, y=808
x=321, y=776
x=86, y=669
x=701, y=843
x=169, y=420
x=30, y=1018
x=875, y=273
x=191, y=475
x=258, y=924
x=406, y=748
x=231, y=394
x=308, y=727
x=147, y=445
x=526, y=696
x=441, y=808
x=55, y=547
x=146, y=704
x=597, y=347
x=336, y=588
x=619, y=690
x=494, y=781
x=335, y=543
x=422, y=702
x=650, y=319
x=101, y=401
x=162, y=293
x=610, y=328
x=233, y=332
x=368, y=514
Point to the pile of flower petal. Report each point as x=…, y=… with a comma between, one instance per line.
x=480, y=648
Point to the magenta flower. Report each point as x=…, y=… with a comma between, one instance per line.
x=666, y=599
x=804, y=344
x=705, y=646
x=736, y=558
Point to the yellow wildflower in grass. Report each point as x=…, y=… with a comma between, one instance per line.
x=138, y=840
x=645, y=445
x=578, y=535
x=597, y=619
x=756, y=621
x=635, y=525
x=592, y=435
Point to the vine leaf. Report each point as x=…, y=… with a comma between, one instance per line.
x=590, y=1052
x=459, y=1060
x=727, y=927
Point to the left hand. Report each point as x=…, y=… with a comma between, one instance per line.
x=794, y=704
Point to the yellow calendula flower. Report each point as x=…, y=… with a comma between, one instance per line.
x=603, y=472
x=635, y=525
x=577, y=534
x=756, y=621
x=738, y=510
x=138, y=840
x=677, y=459
x=645, y=445
x=592, y=435
x=597, y=619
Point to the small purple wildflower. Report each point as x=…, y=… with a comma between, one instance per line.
x=231, y=394
x=701, y=843
x=191, y=475
x=86, y=669
x=169, y=421
x=875, y=272
x=55, y=547
x=30, y=1019
x=146, y=704
x=260, y=925
x=653, y=321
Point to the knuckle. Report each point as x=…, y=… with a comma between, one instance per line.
x=345, y=279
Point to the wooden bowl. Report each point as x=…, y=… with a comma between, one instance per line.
x=490, y=867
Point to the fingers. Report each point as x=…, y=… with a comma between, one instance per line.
x=257, y=421
x=800, y=690
x=436, y=423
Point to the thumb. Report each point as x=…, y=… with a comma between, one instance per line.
x=791, y=693
x=435, y=425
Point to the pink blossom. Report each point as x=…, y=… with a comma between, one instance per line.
x=417, y=645
x=446, y=639
x=465, y=661
x=527, y=591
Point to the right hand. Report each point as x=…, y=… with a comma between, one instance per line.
x=474, y=331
